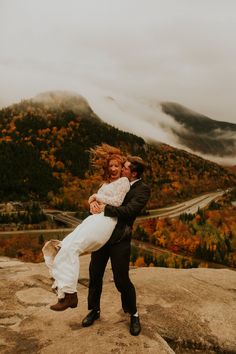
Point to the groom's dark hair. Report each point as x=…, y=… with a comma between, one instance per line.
x=136, y=165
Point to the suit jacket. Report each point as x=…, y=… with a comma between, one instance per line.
x=135, y=200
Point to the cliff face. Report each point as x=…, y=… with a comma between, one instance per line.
x=182, y=311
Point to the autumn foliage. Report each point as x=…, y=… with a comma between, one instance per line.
x=208, y=235
x=23, y=247
x=44, y=154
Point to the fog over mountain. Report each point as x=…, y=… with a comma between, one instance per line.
x=65, y=100
x=166, y=122
x=202, y=134
x=175, y=125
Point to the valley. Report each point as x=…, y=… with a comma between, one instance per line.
x=143, y=245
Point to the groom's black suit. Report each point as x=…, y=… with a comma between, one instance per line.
x=118, y=250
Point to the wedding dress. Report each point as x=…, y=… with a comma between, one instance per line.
x=88, y=237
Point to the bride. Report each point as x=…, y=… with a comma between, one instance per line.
x=94, y=231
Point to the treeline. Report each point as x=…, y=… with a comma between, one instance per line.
x=145, y=258
x=32, y=214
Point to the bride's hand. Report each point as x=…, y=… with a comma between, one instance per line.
x=92, y=198
x=96, y=208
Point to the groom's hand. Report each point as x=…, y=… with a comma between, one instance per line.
x=96, y=208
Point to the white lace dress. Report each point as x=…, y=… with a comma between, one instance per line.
x=89, y=236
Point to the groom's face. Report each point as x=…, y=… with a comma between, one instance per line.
x=126, y=172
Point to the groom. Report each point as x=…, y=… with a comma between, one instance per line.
x=118, y=247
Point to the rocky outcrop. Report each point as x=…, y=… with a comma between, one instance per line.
x=182, y=311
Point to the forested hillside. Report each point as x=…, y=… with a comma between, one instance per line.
x=208, y=235
x=201, y=133
x=44, y=155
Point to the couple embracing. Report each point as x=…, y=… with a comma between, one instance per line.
x=106, y=233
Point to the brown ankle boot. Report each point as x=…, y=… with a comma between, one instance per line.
x=70, y=300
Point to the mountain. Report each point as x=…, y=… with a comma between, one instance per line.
x=44, y=144
x=65, y=101
x=202, y=134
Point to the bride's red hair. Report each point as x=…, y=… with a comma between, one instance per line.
x=101, y=155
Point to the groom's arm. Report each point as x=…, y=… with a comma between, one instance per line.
x=133, y=208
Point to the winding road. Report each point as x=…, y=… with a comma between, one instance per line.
x=191, y=206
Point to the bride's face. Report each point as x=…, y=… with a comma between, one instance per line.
x=114, y=168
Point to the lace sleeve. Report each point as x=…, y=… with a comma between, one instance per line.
x=114, y=192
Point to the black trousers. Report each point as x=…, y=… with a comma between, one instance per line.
x=119, y=254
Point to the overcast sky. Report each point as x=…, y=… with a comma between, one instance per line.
x=136, y=51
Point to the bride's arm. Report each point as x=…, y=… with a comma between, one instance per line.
x=92, y=197
x=119, y=190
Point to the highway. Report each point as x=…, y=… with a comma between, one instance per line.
x=190, y=207
x=65, y=218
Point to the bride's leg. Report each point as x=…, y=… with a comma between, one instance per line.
x=85, y=238
x=65, y=270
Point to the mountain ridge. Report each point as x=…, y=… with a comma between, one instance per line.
x=200, y=133
x=58, y=140
x=175, y=110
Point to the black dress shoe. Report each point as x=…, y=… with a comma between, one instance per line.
x=90, y=318
x=135, y=327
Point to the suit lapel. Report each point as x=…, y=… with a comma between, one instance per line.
x=136, y=184
x=131, y=192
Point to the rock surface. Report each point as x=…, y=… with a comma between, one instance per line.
x=182, y=311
